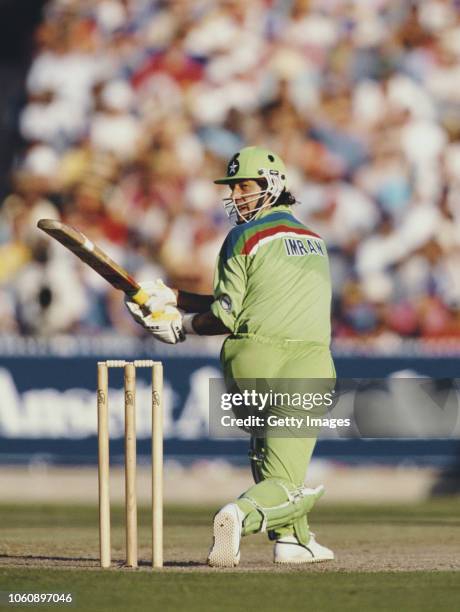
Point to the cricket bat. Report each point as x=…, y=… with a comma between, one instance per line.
x=91, y=254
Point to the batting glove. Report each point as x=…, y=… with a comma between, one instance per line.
x=165, y=325
x=160, y=295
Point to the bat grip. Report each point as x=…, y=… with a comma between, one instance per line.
x=140, y=296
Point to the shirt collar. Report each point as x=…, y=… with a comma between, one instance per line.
x=265, y=212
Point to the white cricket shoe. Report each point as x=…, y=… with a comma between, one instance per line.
x=225, y=549
x=289, y=550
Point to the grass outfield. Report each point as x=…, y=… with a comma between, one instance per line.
x=238, y=591
x=388, y=558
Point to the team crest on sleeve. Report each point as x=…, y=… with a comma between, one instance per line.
x=225, y=302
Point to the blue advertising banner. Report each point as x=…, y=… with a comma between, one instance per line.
x=48, y=409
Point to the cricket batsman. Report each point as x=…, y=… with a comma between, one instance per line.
x=272, y=296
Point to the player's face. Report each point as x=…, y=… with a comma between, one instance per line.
x=246, y=196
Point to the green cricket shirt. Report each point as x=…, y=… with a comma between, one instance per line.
x=272, y=279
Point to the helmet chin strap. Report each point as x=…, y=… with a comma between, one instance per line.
x=274, y=188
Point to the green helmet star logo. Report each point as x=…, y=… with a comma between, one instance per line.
x=253, y=163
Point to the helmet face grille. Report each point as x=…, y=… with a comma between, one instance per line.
x=267, y=196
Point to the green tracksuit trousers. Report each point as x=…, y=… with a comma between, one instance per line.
x=279, y=461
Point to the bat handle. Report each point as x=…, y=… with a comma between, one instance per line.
x=140, y=296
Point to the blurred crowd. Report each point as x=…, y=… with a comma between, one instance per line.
x=134, y=106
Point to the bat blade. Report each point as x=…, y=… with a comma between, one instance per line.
x=93, y=256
